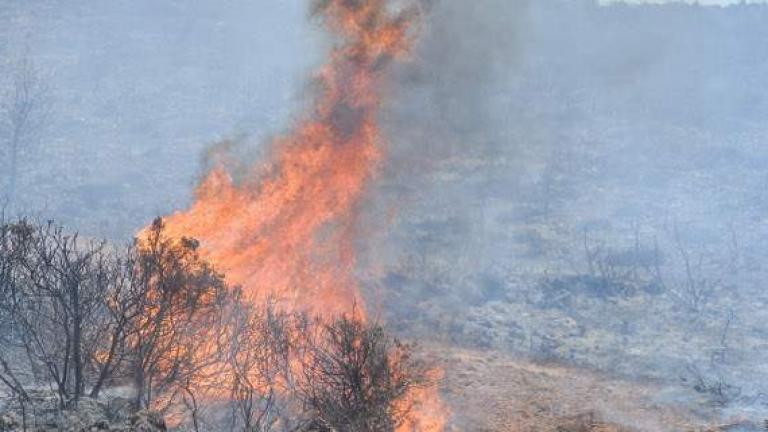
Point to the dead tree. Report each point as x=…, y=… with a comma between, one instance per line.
x=356, y=376
x=696, y=289
x=176, y=333
x=254, y=374
x=24, y=109
x=80, y=314
x=122, y=306
x=266, y=349
x=9, y=291
x=53, y=287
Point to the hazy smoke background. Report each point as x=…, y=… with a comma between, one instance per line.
x=617, y=106
x=141, y=88
x=520, y=128
x=635, y=99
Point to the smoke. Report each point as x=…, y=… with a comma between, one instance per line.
x=518, y=126
x=448, y=112
x=507, y=109
x=446, y=93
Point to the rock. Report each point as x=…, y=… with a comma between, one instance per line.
x=9, y=422
x=147, y=421
x=87, y=415
x=119, y=408
x=84, y=415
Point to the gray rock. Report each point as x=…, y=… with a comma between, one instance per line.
x=9, y=422
x=87, y=415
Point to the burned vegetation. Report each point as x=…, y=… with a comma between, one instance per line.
x=151, y=327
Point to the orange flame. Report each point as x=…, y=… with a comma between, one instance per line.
x=286, y=229
x=426, y=413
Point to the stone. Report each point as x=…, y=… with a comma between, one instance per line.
x=87, y=415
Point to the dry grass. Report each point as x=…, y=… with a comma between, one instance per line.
x=493, y=392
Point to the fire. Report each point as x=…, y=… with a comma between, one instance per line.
x=286, y=229
x=428, y=414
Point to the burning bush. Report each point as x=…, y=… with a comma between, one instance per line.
x=174, y=321
x=78, y=313
x=357, y=378
x=83, y=316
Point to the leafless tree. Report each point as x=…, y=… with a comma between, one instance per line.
x=81, y=312
x=122, y=306
x=177, y=333
x=695, y=289
x=8, y=328
x=53, y=286
x=357, y=378
x=266, y=351
x=24, y=110
x=83, y=316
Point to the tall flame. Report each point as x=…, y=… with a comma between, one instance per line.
x=285, y=230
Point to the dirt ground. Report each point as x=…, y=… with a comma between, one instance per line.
x=489, y=391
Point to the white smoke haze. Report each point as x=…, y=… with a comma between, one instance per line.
x=566, y=183
x=542, y=148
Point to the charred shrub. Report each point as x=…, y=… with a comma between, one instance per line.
x=78, y=314
x=84, y=316
x=357, y=378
